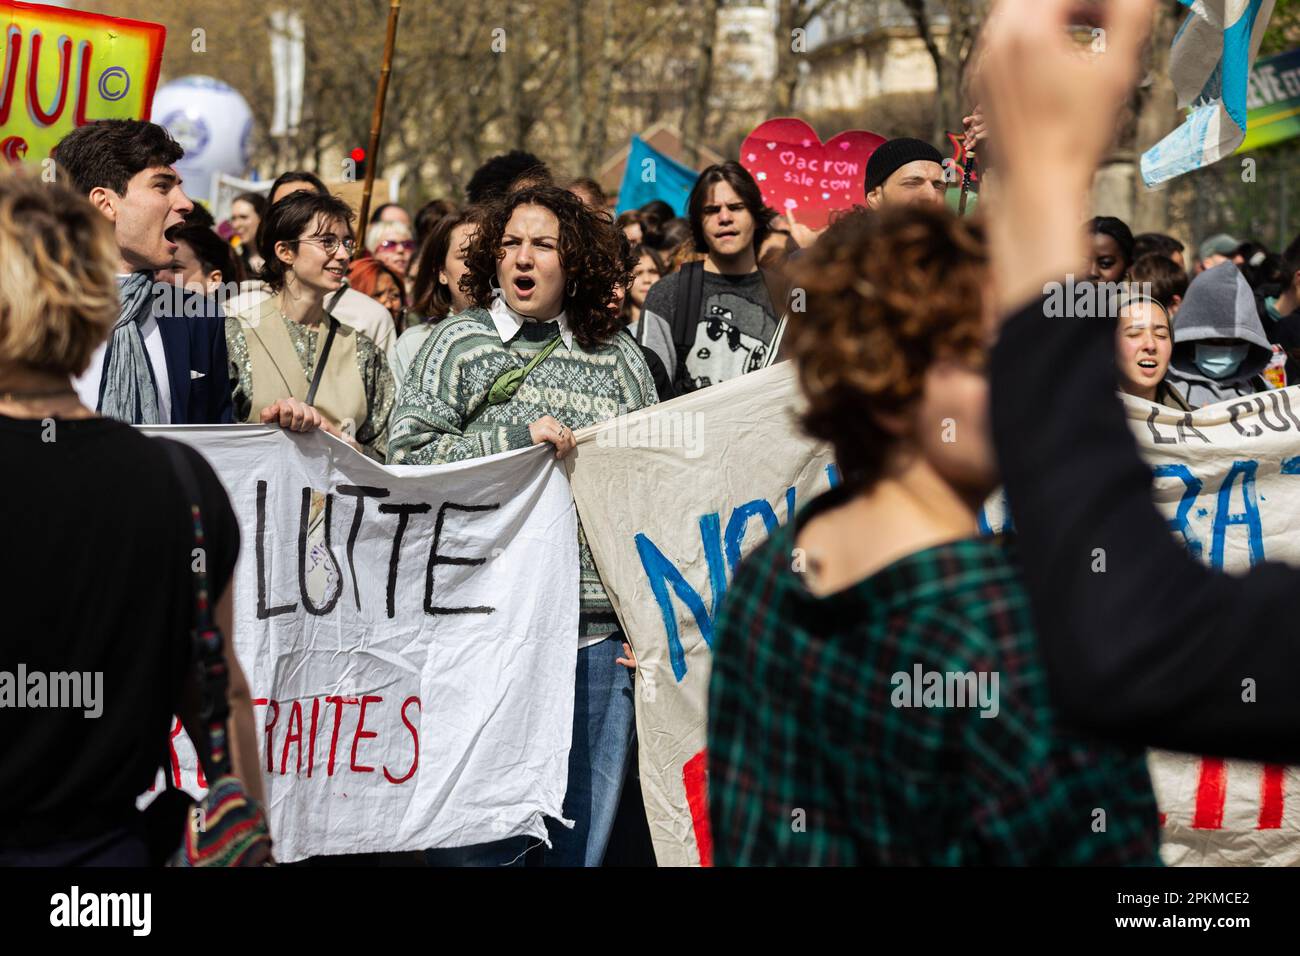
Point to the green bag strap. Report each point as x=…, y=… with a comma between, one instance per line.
x=508, y=382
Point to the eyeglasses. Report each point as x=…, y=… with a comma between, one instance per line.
x=389, y=245
x=331, y=243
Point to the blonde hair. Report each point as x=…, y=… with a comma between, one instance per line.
x=381, y=231
x=58, y=285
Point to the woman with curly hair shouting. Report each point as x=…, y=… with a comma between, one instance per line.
x=542, y=352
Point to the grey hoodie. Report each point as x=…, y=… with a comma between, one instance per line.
x=1219, y=305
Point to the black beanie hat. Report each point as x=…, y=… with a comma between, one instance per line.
x=892, y=155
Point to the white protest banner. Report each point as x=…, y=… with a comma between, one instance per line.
x=667, y=497
x=1227, y=476
x=671, y=499
x=410, y=637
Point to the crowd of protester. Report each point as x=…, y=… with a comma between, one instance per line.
x=529, y=311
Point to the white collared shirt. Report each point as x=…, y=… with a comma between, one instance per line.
x=509, y=322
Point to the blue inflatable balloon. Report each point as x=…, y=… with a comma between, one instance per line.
x=213, y=123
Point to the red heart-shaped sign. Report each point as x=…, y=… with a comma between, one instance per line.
x=796, y=171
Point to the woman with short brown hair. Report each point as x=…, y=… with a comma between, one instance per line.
x=287, y=353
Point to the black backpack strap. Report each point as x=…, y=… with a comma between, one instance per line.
x=213, y=675
x=334, y=299
x=778, y=294
x=320, y=363
x=690, y=301
x=778, y=291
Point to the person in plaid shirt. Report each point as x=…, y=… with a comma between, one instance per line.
x=837, y=735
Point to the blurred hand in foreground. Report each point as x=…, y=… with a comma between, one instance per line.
x=1055, y=109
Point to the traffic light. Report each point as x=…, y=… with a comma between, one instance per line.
x=358, y=157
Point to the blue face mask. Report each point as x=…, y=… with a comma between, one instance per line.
x=1220, y=361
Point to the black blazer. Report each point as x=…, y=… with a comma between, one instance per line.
x=198, y=367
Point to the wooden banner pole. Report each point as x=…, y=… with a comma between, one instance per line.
x=377, y=119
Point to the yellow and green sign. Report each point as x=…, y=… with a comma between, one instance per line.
x=64, y=68
x=1273, y=99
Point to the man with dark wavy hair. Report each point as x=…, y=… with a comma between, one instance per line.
x=720, y=315
x=159, y=366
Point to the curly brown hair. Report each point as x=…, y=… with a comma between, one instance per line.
x=888, y=293
x=595, y=263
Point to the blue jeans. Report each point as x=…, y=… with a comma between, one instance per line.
x=604, y=728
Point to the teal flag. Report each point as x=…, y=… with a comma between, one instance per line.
x=652, y=175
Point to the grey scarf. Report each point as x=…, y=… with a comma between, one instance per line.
x=128, y=390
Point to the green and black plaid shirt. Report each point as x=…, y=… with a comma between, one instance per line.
x=811, y=762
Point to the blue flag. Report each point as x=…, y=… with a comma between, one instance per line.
x=1209, y=64
x=652, y=175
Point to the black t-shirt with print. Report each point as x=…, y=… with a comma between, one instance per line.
x=96, y=549
x=730, y=336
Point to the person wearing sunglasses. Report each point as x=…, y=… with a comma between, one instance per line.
x=291, y=360
x=392, y=244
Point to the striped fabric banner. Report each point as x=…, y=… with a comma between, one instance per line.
x=1210, y=66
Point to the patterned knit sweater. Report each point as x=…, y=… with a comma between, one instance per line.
x=442, y=413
